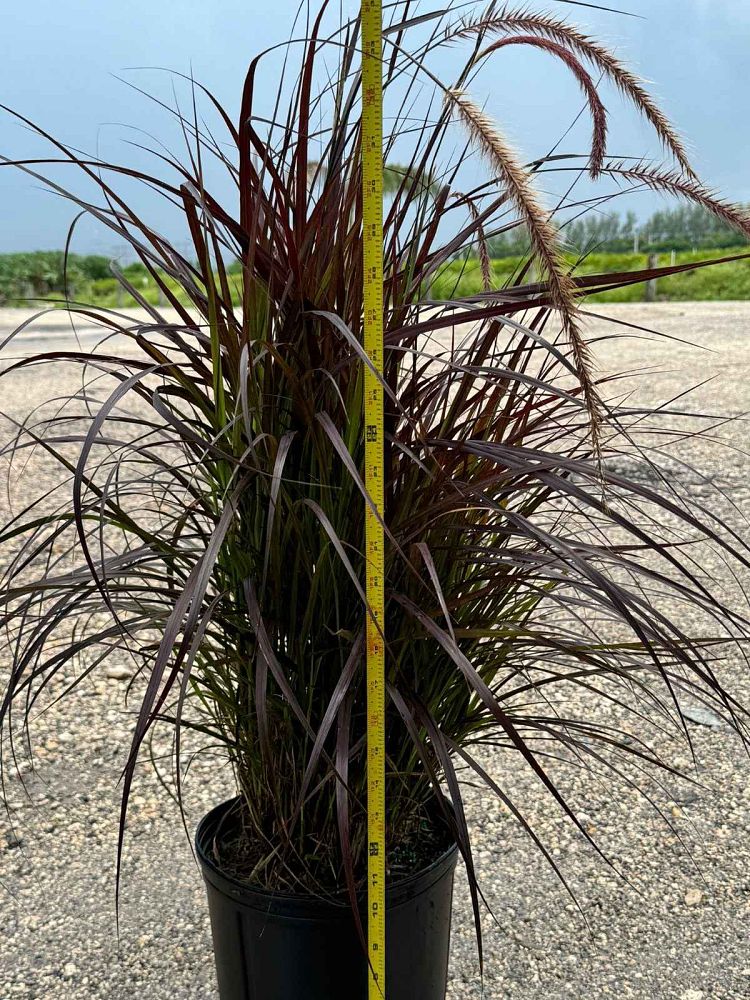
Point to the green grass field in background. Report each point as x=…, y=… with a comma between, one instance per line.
x=721, y=283
x=31, y=278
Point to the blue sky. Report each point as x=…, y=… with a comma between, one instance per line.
x=60, y=60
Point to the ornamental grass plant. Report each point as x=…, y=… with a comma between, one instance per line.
x=211, y=521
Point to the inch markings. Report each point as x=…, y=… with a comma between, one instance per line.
x=372, y=231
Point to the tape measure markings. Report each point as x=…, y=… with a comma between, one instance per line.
x=372, y=229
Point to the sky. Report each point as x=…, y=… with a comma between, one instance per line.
x=62, y=64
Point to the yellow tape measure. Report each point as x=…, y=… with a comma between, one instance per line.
x=372, y=222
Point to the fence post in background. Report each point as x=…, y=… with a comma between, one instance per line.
x=653, y=261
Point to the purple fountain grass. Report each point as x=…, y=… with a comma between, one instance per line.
x=212, y=522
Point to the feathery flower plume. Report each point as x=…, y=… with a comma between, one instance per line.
x=596, y=106
x=544, y=239
x=666, y=181
x=510, y=20
x=482, y=249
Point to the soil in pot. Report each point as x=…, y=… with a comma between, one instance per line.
x=238, y=856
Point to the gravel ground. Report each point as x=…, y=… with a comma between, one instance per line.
x=677, y=929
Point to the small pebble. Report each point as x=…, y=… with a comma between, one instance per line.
x=117, y=672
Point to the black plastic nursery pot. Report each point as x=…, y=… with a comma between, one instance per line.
x=277, y=946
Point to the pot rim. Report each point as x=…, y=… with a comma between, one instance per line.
x=340, y=901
